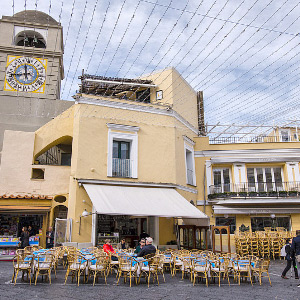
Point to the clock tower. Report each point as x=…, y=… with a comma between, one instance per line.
x=31, y=71
x=31, y=56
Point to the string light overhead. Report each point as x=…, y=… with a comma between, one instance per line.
x=244, y=57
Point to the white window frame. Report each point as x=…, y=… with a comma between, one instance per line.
x=288, y=132
x=131, y=137
x=264, y=176
x=222, y=177
x=189, y=147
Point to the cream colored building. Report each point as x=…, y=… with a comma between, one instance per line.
x=255, y=184
x=116, y=154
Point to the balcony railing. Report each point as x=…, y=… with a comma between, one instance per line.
x=255, y=189
x=121, y=167
x=190, y=177
x=253, y=139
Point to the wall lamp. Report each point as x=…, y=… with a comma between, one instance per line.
x=84, y=214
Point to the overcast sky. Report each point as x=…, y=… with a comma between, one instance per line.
x=242, y=54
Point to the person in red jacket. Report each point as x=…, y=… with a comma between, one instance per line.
x=107, y=248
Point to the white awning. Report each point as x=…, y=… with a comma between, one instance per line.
x=141, y=201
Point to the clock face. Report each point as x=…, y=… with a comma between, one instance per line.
x=25, y=74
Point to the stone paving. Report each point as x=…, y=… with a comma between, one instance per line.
x=174, y=288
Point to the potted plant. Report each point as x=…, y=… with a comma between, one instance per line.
x=293, y=193
x=243, y=194
x=253, y=194
x=273, y=194
x=232, y=194
x=262, y=194
x=282, y=193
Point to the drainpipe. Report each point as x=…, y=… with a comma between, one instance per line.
x=204, y=184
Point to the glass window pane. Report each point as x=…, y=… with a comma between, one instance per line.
x=251, y=179
x=284, y=135
x=269, y=179
x=124, y=150
x=217, y=181
x=260, y=179
x=226, y=180
x=115, y=149
x=277, y=178
x=217, y=177
x=230, y=221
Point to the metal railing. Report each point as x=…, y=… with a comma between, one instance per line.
x=253, y=139
x=121, y=167
x=255, y=189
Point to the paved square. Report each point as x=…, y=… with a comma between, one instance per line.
x=174, y=288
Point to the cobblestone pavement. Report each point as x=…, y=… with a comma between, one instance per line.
x=174, y=288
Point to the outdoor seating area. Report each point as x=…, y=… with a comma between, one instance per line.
x=92, y=265
x=264, y=244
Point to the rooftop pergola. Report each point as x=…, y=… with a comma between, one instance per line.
x=113, y=87
x=246, y=132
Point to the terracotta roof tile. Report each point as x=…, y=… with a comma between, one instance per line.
x=27, y=196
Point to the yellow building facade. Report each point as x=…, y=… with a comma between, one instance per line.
x=255, y=185
x=109, y=143
x=127, y=155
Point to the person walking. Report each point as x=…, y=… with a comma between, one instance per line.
x=289, y=260
x=24, y=237
x=296, y=249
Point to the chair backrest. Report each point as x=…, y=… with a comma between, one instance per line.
x=264, y=265
x=200, y=262
x=45, y=260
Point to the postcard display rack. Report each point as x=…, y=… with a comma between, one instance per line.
x=9, y=245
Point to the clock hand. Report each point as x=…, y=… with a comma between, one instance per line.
x=25, y=72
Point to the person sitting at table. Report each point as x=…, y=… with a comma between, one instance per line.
x=123, y=245
x=107, y=248
x=148, y=248
x=140, y=246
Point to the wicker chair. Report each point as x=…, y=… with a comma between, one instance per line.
x=43, y=266
x=219, y=268
x=127, y=268
x=21, y=264
x=150, y=267
x=261, y=268
x=200, y=269
x=100, y=267
x=76, y=266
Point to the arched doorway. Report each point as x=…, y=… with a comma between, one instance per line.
x=60, y=212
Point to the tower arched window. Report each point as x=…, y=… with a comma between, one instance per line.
x=30, y=38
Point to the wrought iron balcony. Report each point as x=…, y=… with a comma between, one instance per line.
x=253, y=139
x=255, y=189
x=121, y=167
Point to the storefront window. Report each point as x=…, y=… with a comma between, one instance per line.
x=117, y=227
x=230, y=221
x=259, y=223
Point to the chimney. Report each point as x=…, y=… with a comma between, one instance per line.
x=200, y=109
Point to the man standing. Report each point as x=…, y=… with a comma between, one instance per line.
x=296, y=249
x=49, y=238
x=148, y=248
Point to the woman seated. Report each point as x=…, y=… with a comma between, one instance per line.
x=123, y=245
x=107, y=248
